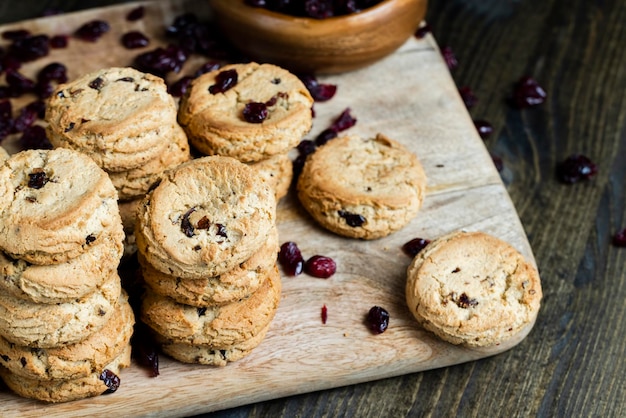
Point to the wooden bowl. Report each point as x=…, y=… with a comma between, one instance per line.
x=306, y=45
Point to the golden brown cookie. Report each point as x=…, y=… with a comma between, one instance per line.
x=205, y=217
x=216, y=326
x=473, y=289
x=278, y=170
x=362, y=187
x=215, y=121
x=55, y=205
x=233, y=285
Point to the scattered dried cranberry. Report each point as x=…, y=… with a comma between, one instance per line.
x=92, y=31
x=145, y=349
x=377, y=320
x=161, y=61
x=111, y=380
x=255, y=112
x=34, y=137
x=6, y=118
x=185, y=223
x=414, y=246
x=180, y=87
x=291, y=258
x=135, y=14
x=58, y=41
x=207, y=67
x=14, y=35
x=37, y=179
x=344, y=121
x=324, y=314
x=484, y=128
x=29, y=48
x=449, y=57
x=576, y=168
x=198, y=37
x=224, y=81
x=468, y=96
x=352, y=219
x=134, y=39
x=527, y=92
x=619, y=239
x=53, y=72
x=422, y=31
x=25, y=118
x=325, y=136
x=19, y=83
x=316, y=9
x=320, y=92
x=320, y=266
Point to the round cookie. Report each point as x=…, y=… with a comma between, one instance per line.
x=55, y=205
x=135, y=183
x=216, y=326
x=278, y=170
x=211, y=356
x=233, y=285
x=473, y=289
x=66, y=390
x=63, y=282
x=115, y=115
x=74, y=360
x=49, y=325
x=205, y=217
x=215, y=123
x=362, y=187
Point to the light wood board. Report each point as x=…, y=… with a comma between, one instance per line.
x=411, y=97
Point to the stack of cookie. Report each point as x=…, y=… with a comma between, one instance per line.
x=253, y=112
x=207, y=243
x=65, y=323
x=126, y=122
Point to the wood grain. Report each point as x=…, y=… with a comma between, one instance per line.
x=409, y=96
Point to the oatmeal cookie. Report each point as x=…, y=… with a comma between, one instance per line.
x=278, y=170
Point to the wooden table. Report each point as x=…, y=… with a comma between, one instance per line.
x=573, y=362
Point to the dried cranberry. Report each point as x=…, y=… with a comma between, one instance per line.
x=484, y=128
x=207, y=67
x=185, y=223
x=161, y=61
x=290, y=258
x=6, y=118
x=145, y=349
x=225, y=80
x=9, y=62
x=24, y=119
x=320, y=92
x=377, y=320
x=58, y=41
x=19, y=82
x=468, y=96
x=37, y=179
x=449, y=57
x=325, y=136
x=34, y=137
x=180, y=87
x=352, y=219
x=30, y=48
x=37, y=106
x=324, y=314
x=92, y=31
x=422, y=31
x=134, y=39
x=320, y=266
x=135, y=14
x=344, y=121
x=14, y=35
x=576, y=168
x=619, y=239
x=53, y=72
x=527, y=92
x=414, y=246
x=111, y=380
x=43, y=90
x=318, y=9
x=180, y=23
x=97, y=83
x=255, y=112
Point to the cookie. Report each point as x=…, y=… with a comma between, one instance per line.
x=135, y=183
x=362, y=188
x=211, y=356
x=49, y=325
x=473, y=289
x=233, y=285
x=128, y=213
x=205, y=217
x=55, y=391
x=215, y=122
x=55, y=205
x=117, y=116
x=278, y=171
x=216, y=326
x=76, y=360
x=63, y=282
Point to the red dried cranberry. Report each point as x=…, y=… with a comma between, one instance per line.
x=58, y=41
x=527, y=92
x=576, y=168
x=225, y=80
x=422, y=31
x=39, y=107
x=484, y=128
x=111, y=380
x=134, y=39
x=468, y=96
x=43, y=90
x=185, y=223
x=161, y=61
x=6, y=118
x=414, y=246
x=37, y=179
x=30, y=48
x=325, y=136
x=53, y=72
x=377, y=320
x=180, y=87
x=92, y=31
x=320, y=92
x=320, y=266
x=290, y=258
x=135, y=14
x=14, y=35
x=9, y=62
x=352, y=219
x=19, y=83
x=145, y=348
x=24, y=119
x=619, y=239
x=449, y=57
x=344, y=121
x=255, y=112
x=207, y=67
x=324, y=314
x=318, y=9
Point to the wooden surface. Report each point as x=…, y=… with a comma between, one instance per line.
x=572, y=363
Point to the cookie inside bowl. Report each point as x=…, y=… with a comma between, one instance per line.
x=322, y=46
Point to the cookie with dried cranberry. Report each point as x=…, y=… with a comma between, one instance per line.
x=362, y=188
x=278, y=170
x=218, y=326
x=40, y=325
x=472, y=288
x=55, y=205
x=76, y=360
x=65, y=390
x=209, y=355
x=118, y=116
x=235, y=284
x=246, y=111
x=205, y=217
x=73, y=279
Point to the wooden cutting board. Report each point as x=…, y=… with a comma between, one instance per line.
x=409, y=96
